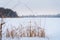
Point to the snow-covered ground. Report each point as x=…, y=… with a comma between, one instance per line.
x=26, y=38
x=51, y=25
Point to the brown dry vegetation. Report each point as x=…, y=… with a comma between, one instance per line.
x=25, y=33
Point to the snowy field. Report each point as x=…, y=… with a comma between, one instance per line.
x=25, y=38
x=51, y=25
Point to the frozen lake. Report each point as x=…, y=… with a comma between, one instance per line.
x=51, y=25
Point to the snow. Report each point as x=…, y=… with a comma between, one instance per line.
x=25, y=38
x=52, y=27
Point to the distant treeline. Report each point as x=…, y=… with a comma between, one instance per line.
x=7, y=13
x=43, y=16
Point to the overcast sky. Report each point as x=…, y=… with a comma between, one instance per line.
x=32, y=7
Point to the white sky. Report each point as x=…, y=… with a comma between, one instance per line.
x=32, y=7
